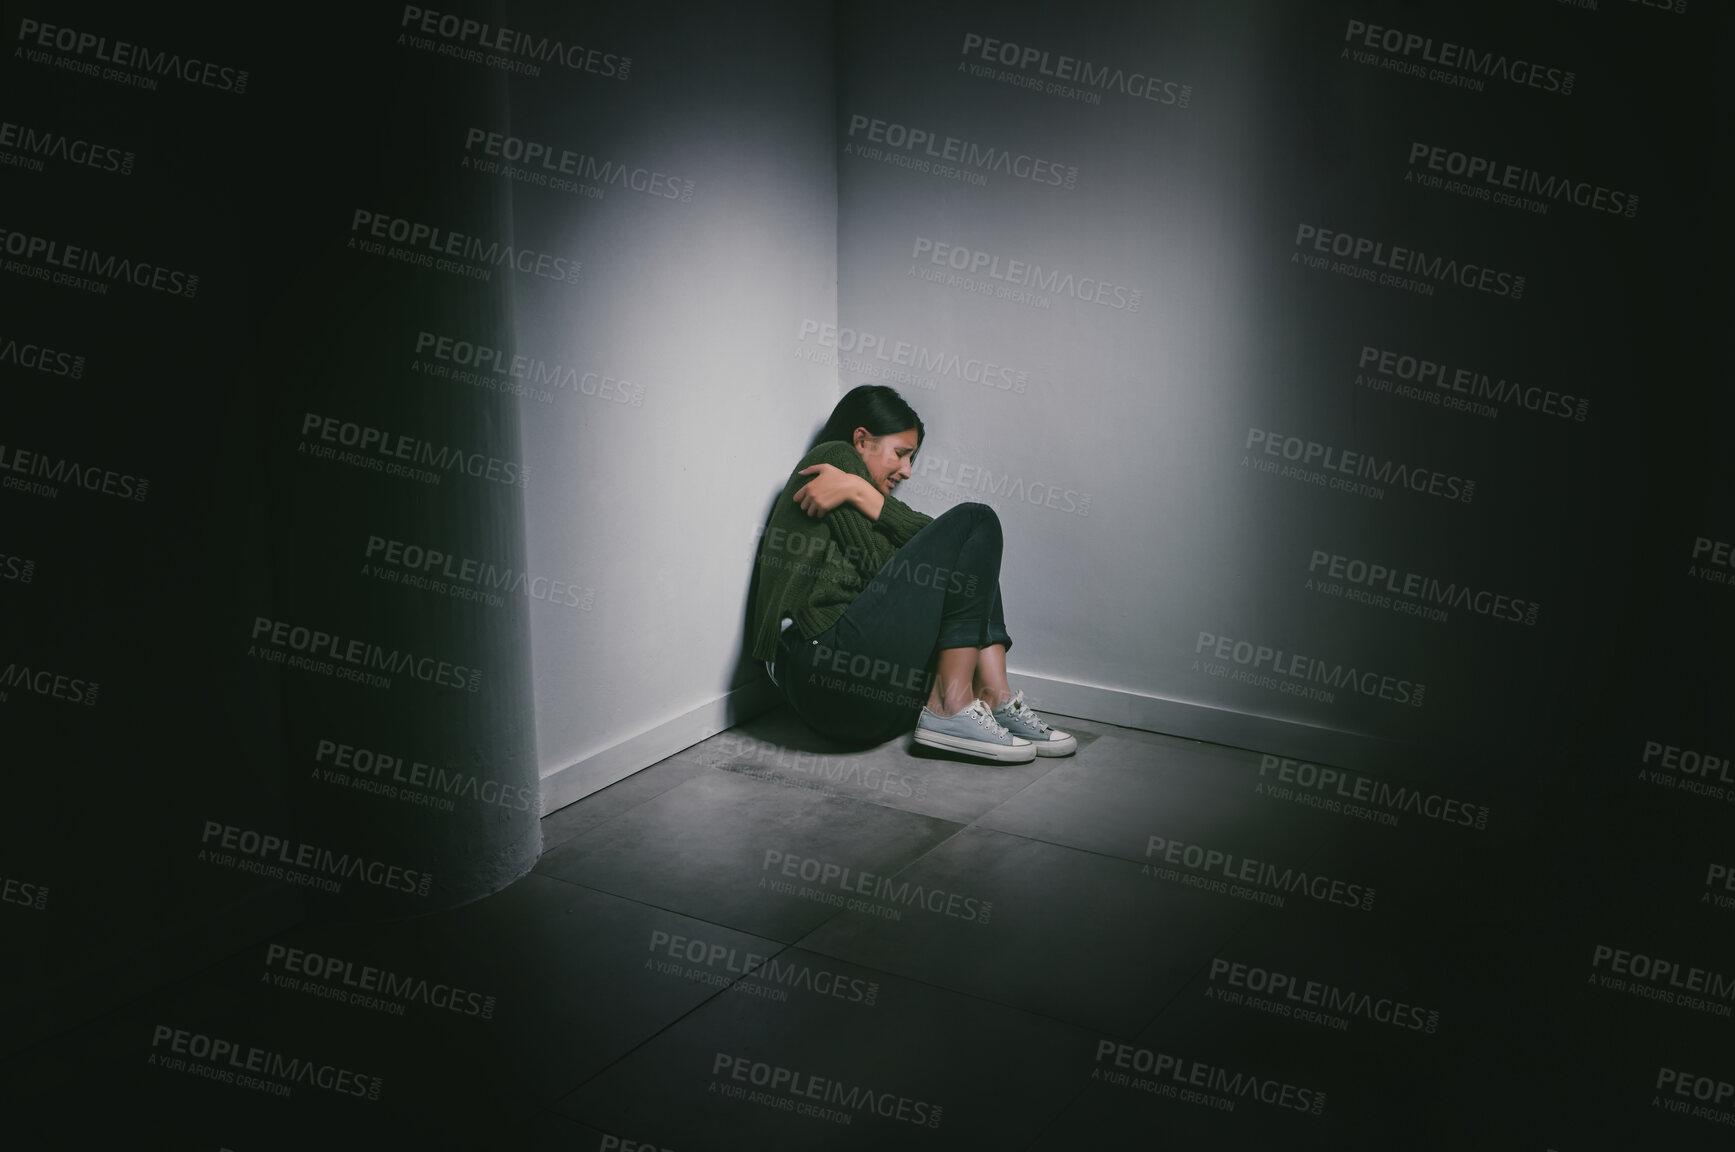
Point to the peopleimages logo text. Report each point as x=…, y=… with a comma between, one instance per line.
x=1672, y=974
x=907, y=354
x=556, y=160
x=1216, y=863
x=282, y=852
x=231, y=1062
x=1459, y=57
x=468, y=571
x=1312, y=453
x=442, y=241
x=533, y=371
x=1026, y=275
x=472, y=36
x=47, y=682
x=359, y=978
x=389, y=769
x=1299, y=992
x=39, y=358
x=363, y=654
x=876, y=886
x=1479, y=386
x=123, y=54
x=46, y=143
x=64, y=470
x=1411, y=262
x=1140, y=85
x=1308, y=669
x=1343, y=784
x=1522, y=181
x=1712, y=1093
x=1430, y=590
x=102, y=267
x=969, y=153
x=785, y=1085
x=1709, y=551
x=1164, y=1068
x=398, y=446
x=937, y=469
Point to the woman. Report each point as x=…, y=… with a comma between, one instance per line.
x=870, y=615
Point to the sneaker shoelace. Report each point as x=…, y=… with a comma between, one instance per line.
x=986, y=718
x=1017, y=707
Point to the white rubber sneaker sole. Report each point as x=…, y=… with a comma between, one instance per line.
x=1064, y=747
x=1020, y=751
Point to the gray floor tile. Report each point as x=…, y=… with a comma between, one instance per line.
x=1072, y=935
x=999, y=942
x=1119, y=794
x=778, y=746
x=965, y=1074
x=539, y=986
x=580, y=976
x=729, y=849
x=563, y=824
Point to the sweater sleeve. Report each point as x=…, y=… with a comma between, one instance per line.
x=865, y=550
x=794, y=572
x=897, y=521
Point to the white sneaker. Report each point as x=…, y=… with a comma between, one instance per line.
x=973, y=730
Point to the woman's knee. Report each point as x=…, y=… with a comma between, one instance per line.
x=975, y=513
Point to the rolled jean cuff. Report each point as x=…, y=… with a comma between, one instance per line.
x=972, y=634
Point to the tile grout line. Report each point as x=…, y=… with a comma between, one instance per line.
x=786, y=947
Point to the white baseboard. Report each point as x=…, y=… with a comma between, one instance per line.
x=1215, y=725
x=1106, y=705
x=566, y=785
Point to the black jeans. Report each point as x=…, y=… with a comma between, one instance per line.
x=865, y=679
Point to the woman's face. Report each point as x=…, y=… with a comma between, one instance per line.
x=887, y=457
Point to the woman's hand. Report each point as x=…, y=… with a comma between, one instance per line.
x=830, y=487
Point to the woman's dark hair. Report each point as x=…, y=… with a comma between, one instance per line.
x=875, y=407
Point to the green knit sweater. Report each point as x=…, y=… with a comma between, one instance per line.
x=812, y=568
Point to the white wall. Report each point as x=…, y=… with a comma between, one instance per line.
x=650, y=506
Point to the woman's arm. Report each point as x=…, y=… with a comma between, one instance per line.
x=867, y=498
x=838, y=482
x=831, y=487
x=896, y=520
x=899, y=519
